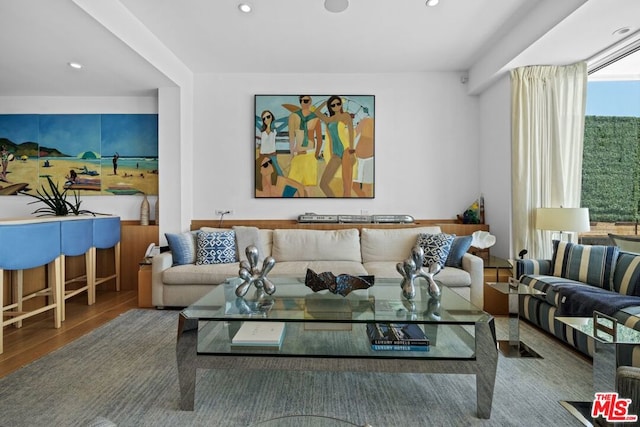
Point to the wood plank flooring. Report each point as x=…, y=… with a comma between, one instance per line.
x=37, y=337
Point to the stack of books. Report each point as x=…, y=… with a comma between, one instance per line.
x=397, y=337
x=259, y=335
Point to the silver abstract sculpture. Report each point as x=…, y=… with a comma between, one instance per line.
x=411, y=269
x=252, y=275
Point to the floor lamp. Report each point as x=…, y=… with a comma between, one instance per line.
x=563, y=220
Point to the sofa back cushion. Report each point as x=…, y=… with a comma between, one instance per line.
x=592, y=264
x=391, y=244
x=626, y=276
x=316, y=245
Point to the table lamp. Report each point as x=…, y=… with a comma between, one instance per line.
x=563, y=219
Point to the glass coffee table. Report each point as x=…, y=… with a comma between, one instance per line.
x=608, y=335
x=327, y=332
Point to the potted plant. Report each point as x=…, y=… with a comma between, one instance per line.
x=56, y=203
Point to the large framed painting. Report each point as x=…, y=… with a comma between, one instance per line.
x=115, y=154
x=320, y=146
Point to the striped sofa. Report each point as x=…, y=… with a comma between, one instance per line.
x=577, y=280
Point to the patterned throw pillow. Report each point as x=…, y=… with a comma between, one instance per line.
x=182, y=247
x=436, y=247
x=592, y=264
x=459, y=247
x=216, y=248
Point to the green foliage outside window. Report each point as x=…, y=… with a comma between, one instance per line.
x=611, y=168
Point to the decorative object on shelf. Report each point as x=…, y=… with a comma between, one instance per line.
x=342, y=284
x=411, y=269
x=144, y=210
x=252, y=275
x=482, y=239
x=56, y=203
x=474, y=213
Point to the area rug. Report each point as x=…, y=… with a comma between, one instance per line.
x=124, y=373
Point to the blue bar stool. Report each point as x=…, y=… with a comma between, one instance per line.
x=76, y=236
x=106, y=234
x=29, y=244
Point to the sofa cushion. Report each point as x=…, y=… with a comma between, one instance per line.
x=190, y=274
x=218, y=247
x=626, y=276
x=585, y=263
x=183, y=247
x=449, y=276
x=547, y=284
x=245, y=237
x=459, y=247
x=436, y=247
x=390, y=244
x=316, y=245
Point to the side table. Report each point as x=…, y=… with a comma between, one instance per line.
x=513, y=347
x=144, y=284
x=497, y=270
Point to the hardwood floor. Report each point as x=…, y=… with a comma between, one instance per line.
x=37, y=337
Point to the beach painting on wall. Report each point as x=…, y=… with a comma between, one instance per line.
x=319, y=146
x=97, y=154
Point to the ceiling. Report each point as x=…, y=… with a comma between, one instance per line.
x=38, y=38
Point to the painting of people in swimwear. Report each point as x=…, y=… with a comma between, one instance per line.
x=101, y=154
x=318, y=146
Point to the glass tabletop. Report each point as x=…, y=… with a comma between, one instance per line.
x=625, y=335
x=293, y=300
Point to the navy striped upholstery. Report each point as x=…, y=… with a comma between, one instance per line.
x=626, y=278
x=547, y=284
x=592, y=264
x=532, y=266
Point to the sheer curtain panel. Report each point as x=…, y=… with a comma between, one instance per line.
x=547, y=118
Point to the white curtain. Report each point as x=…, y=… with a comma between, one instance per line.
x=547, y=118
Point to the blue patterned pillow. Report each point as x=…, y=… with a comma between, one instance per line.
x=436, y=247
x=459, y=247
x=216, y=248
x=592, y=264
x=183, y=247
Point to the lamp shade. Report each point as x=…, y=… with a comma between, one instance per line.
x=563, y=219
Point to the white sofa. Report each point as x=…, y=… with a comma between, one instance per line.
x=368, y=251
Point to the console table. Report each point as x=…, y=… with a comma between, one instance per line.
x=33, y=242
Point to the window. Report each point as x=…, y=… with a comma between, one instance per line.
x=611, y=157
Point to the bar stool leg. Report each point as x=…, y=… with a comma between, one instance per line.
x=54, y=283
x=116, y=250
x=17, y=282
x=91, y=278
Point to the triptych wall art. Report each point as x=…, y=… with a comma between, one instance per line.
x=318, y=146
x=92, y=153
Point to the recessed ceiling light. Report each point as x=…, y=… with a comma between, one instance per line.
x=432, y=2
x=621, y=31
x=336, y=6
x=244, y=7
x=75, y=65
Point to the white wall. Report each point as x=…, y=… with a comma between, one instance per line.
x=495, y=160
x=128, y=207
x=427, y=138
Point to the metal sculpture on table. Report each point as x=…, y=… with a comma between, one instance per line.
x=252, y=275
x=342, y=284
x=412, y=268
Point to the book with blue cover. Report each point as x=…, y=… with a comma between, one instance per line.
x=383, y=335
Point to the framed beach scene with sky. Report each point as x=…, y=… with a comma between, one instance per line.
x=320, y=146
x=92, y=153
